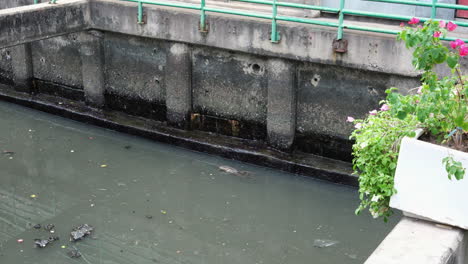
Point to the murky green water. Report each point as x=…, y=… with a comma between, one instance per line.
x=155, y=203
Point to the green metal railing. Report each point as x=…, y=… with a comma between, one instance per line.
x=50, y=2
x=274, y=17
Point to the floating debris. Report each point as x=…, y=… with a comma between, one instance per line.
x=8, y=153
x=33, y=196
x=20, y=240
x=103, y=166
x=37, y=226
x=163, y=212
x=228, y=169
x=80, y=232
x=323, y=243
x=49, y=227
x=233, y=171
x=128, y=147
x=74, y=253
x=149, y=216
x=42, y=243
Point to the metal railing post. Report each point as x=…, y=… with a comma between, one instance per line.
x=274, y=32
x=202, y=26
x=340, y=20
x=140, y=12
x=434, y=9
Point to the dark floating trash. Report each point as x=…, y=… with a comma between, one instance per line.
x=149, y=216
x=80, y=232
x=128, y=147
x=8, y=153
x=38, y=226
x=74, y=253
x=42, y=243
x=49, y=227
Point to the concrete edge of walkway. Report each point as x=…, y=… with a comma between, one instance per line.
x=418, y=241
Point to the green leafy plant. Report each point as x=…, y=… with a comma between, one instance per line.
x=439, y=107
x=454, y=168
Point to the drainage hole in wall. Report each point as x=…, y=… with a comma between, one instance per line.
x=255, y=67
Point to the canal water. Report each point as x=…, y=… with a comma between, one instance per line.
x=156, y=203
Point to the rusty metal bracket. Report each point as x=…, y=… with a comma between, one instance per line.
x=340, y=45
x=205, y=29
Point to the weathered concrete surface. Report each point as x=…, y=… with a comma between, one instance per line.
x=179, y=79
x=417, y=241
x=328, y=94
x=281, y=117
x=135, y=69
x=15, y=3
x=92, y=59
x=229, y=85
x=223, y=78
x=28, y=23
x=6, y=68
x=58, y=60
x=22, y=67
x=299, y=41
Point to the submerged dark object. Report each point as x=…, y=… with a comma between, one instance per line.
x=80, y=232
x=74, y=253
x=49, y=227
x=42, y=243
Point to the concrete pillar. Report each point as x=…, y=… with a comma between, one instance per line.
x=281, y=115
x=22, y=67
x=178, y=85
x=92, y=68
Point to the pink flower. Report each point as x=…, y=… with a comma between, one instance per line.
x=463, y=50
x=419, y=26
x=458, y=42
x=350, y=119
x=442, y=24
x=373, y=112
x=417, y=101
x=402, y=24
x=437, y=34
x=419, y=89
x=384, y=107
x=451, y=26
x=358, y=126
x=413, y=21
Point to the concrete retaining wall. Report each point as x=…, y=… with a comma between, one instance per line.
x=229, y=90
x=231, y=80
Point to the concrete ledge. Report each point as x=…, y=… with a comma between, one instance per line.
x=29, y=23
x=309, y=43
x=416, y=241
